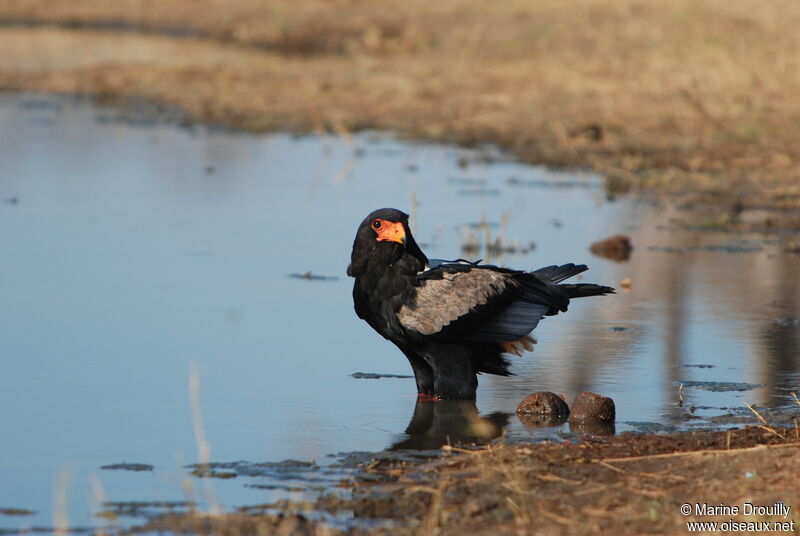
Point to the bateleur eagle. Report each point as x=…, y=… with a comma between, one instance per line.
x=451, y=319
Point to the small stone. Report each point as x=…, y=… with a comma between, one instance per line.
x=590, y=407
x=543, y=403
x=617, y=248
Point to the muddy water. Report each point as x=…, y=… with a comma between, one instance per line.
x=134, y=253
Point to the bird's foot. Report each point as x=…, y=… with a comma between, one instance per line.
x=427, y=397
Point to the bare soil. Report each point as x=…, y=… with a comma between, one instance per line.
x=629, y=484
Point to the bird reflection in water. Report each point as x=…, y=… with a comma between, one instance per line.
x=458, y=422
x=450, y=422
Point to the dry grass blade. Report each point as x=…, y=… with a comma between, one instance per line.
x=757, y=414
x=606, y=464
x=772, y=431
x=700, y=452
x=765, y=425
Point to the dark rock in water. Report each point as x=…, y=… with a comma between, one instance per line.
x=592, y=408
x=543, y=408
x=617, y=248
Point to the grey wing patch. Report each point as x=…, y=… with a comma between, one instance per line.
x=441, y=301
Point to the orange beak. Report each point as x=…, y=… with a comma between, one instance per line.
x=391, y=232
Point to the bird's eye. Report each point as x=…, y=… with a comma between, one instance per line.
x=376, y=224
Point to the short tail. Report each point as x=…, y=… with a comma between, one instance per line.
x=582, y=290
x=556, y=274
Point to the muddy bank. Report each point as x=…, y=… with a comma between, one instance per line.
x=630, y=484
x=693, y=99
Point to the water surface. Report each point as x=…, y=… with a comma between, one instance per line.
x=131, y=253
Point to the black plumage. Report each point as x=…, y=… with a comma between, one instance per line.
x=452, y=320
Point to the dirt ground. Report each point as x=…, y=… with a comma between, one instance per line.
x=689, y=97
x=629, y=484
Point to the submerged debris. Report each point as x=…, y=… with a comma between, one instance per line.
x=722, y=387
x=376, y=375
x=547, y=183
x=204, y=471
x=125, y=466
x=16, y=512
x=144, y=508
x=284, y=470
x=313, y=277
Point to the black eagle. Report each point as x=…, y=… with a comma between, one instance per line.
x=451, y=319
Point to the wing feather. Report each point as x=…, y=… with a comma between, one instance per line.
x=461, y=301
x=518, y=320
x=439, y=302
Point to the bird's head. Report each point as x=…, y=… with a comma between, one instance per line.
x=382, y=239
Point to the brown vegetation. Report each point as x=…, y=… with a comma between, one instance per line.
x=631, y=484
x=685, y=95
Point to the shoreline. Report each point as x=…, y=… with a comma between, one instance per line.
x=542, y=97
x=627, y=484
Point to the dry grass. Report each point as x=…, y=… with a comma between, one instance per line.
x=667, y=95
x=631, y=484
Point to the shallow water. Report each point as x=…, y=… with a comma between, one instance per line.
x=132, y=253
